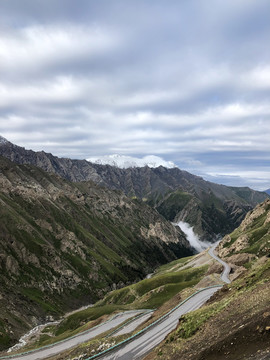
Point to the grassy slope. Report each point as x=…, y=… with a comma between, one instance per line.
x=148, y=293
x=232, y=326
x=153, y=292
x=175, y=201
x=63, y=245
x=212, y=209
x=204, y=210
x=235, y=324
x=257, y=231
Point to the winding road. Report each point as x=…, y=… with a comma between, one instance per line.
x=54, y=349
x=225, y=274
x=139, y=346
x=142, y=343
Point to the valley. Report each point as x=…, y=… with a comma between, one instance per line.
x=213, y=210
x=178, y=273
x=240, y=309
x=93, y=240
x=65, y=244
x=134, y=180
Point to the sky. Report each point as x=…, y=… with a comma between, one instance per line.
x=187, y=81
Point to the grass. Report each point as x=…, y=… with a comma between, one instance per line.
x=147, y=285
x=5, y=339
x=76, y=320
x=234, y=236
x=153, y=292
x=193, y=321
x=37, y=296
x=231, y=308
x=174, y=264
x=173, y=204
x=164, y=293
x=148, y=293
x=72, y=325
x=257, y=275
x=258, y=234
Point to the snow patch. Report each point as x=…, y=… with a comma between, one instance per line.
x=192, y=238
x=3, y=140
x=124, y=161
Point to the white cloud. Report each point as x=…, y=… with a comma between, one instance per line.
x=257, y=179
x=59, y=89
x=187, y=81
x=258, y=78
x=36, y=47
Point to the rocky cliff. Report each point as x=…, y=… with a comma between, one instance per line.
x=252, y=236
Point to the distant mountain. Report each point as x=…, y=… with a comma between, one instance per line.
x=267, y=191
x=212, y=209
x=66, y=244
x=124, y=162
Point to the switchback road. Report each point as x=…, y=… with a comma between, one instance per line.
x=143, y=344
x=139, y=345
x=45, y=352
x=225, y=274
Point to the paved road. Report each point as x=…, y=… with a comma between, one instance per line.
x=140, y=346
x=133, y=324
x=225, y=274
x=143, y=344
x=78, y=339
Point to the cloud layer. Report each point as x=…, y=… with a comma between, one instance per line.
x=188, y=81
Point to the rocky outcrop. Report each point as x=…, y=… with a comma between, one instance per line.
x=159, y=230
x=251, y=238
x=240, y=244
x=252, y=216
x=240, y=259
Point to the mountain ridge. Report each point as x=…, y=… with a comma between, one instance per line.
x=63, y=245
x=212, y=209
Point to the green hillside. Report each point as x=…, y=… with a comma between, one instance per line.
x=234, y=325
x=252, y=236
x=64, y=244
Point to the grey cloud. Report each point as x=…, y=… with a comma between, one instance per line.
x=177, y=79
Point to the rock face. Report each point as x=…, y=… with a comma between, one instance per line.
x=178, y=195
x=65, y=244
x=251, y=238
x=238, y=245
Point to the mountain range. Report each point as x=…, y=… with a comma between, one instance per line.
x=66, y=244
x=213, y=210
x=72, y=230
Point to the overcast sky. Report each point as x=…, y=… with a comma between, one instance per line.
x=186, y=80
